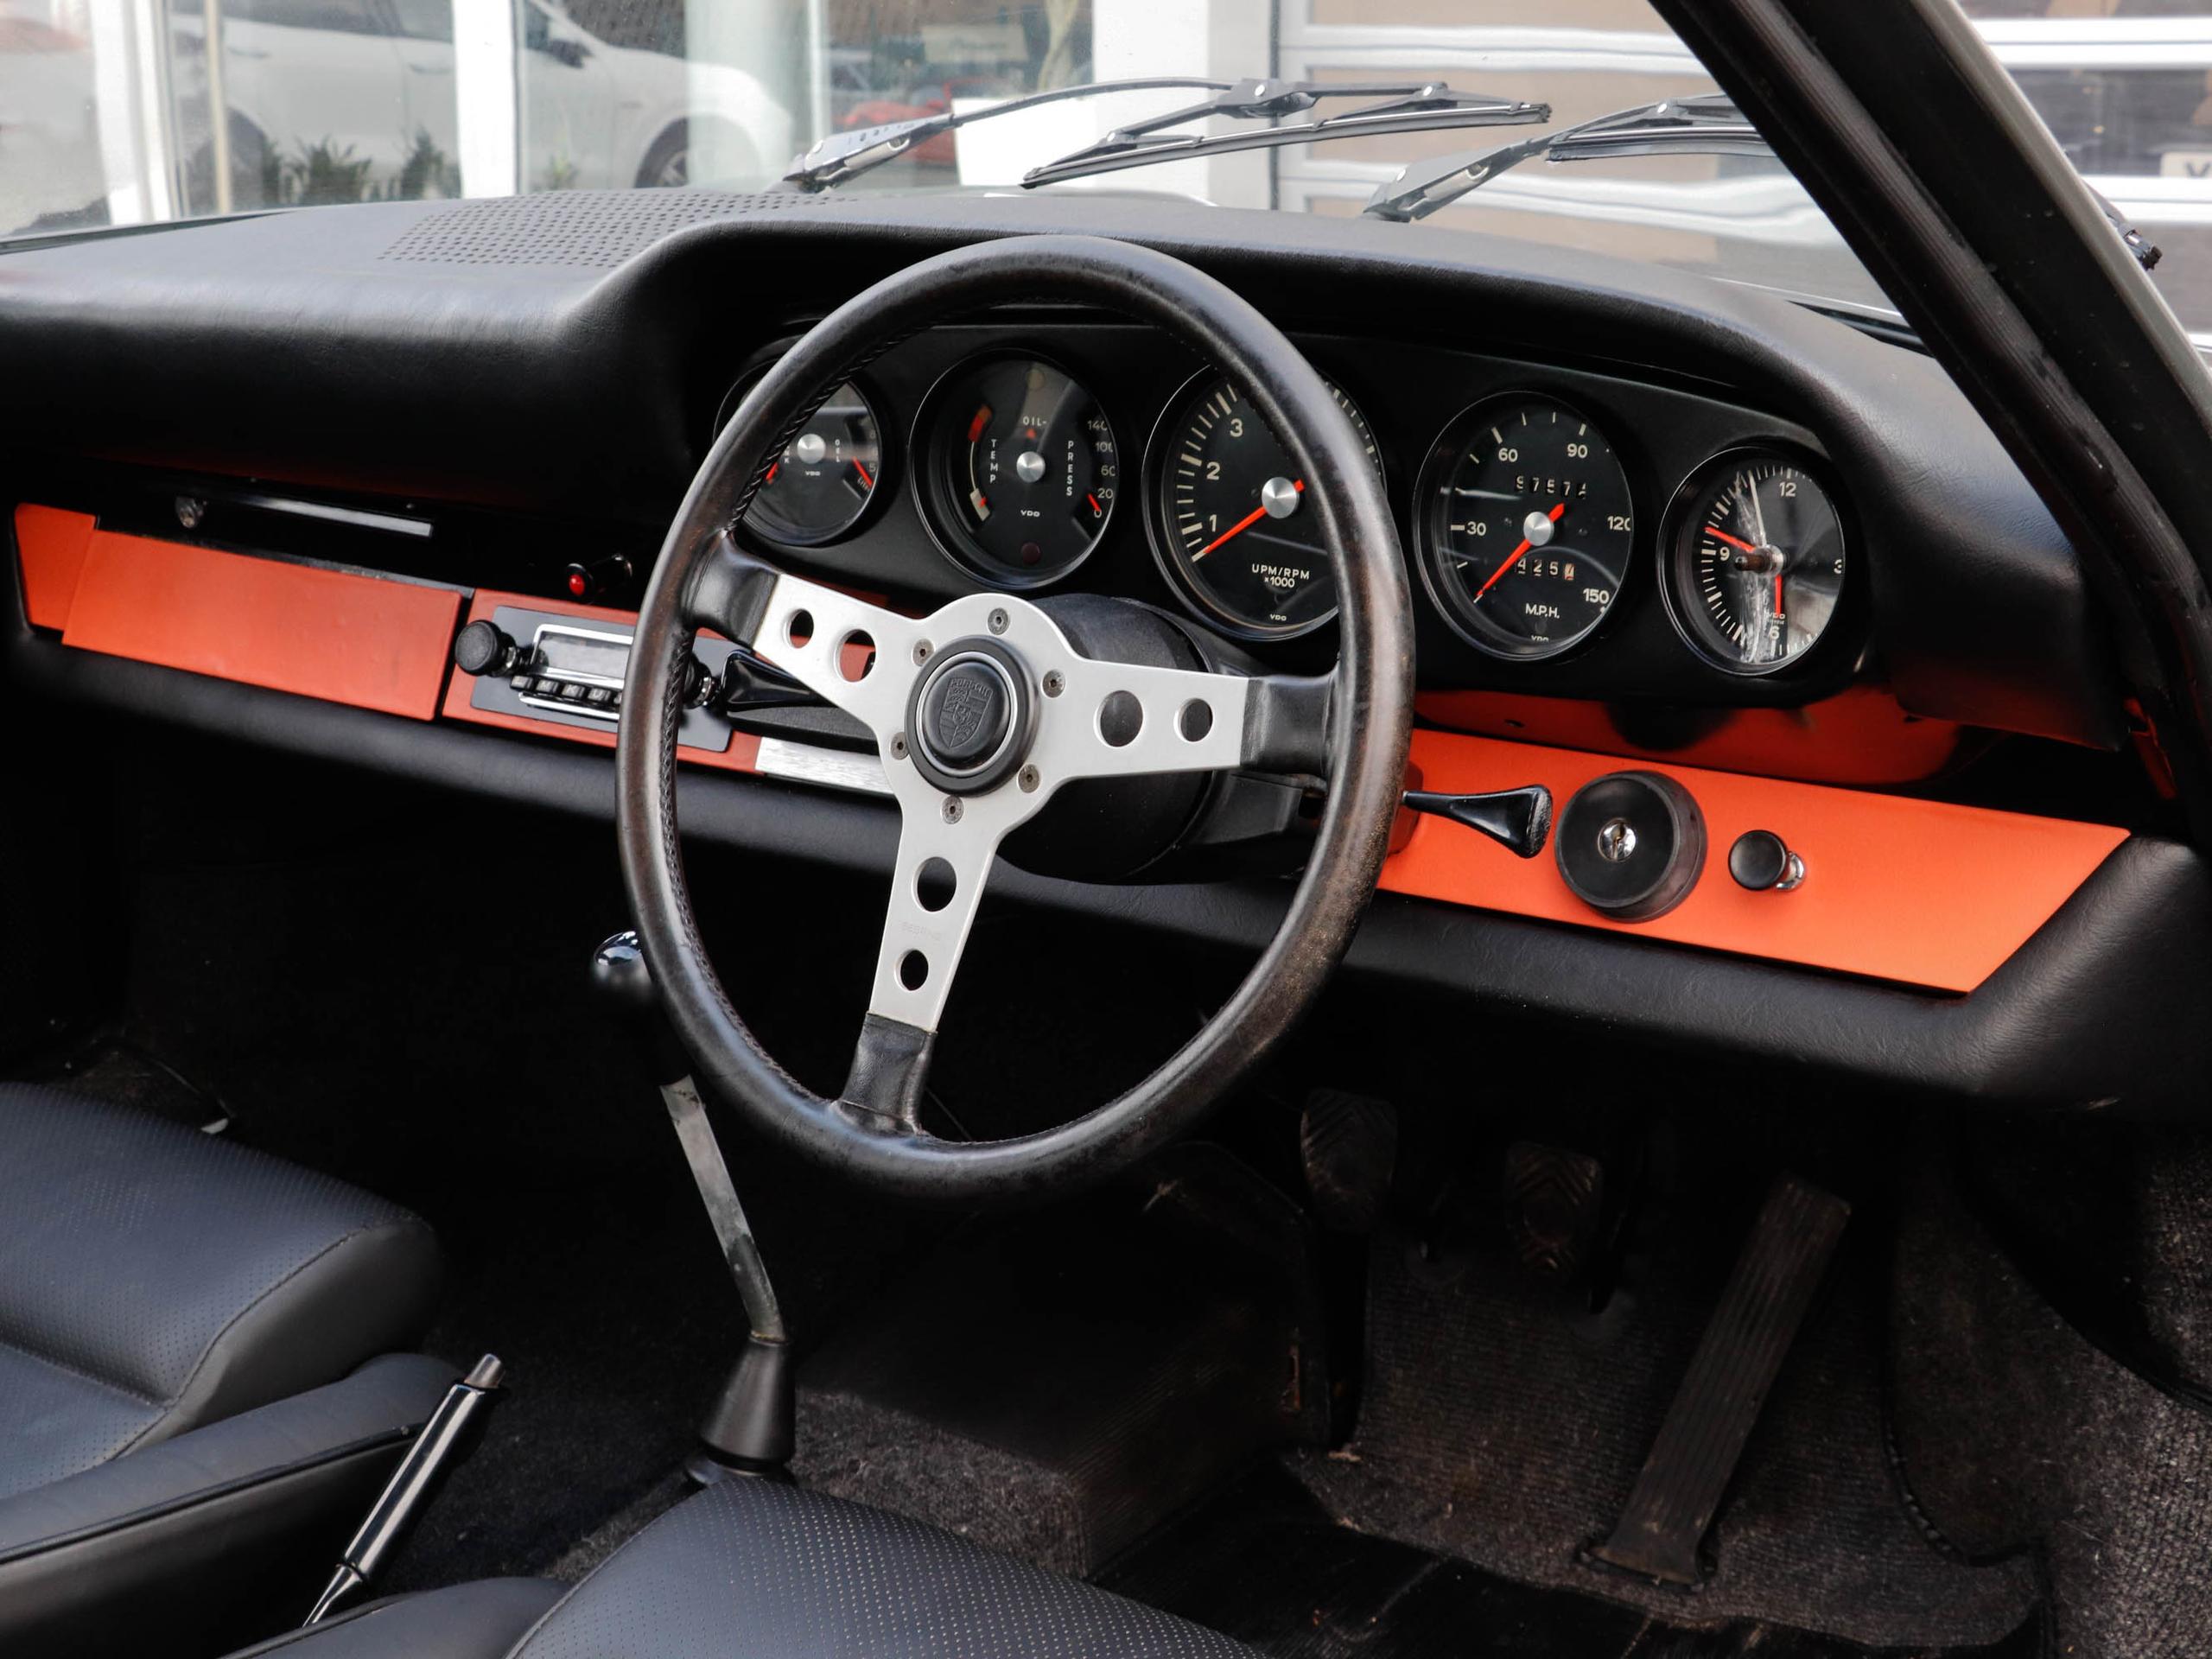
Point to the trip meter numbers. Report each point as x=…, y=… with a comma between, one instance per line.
x=1230, y=521
x=1020, y=469
x=1527, y=525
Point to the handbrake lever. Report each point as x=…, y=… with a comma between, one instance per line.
x=1519, y=820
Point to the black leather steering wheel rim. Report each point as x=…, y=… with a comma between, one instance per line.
x=701, y=577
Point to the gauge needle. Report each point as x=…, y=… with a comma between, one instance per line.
x=1261, y=512
x=1733, y=541
x=867, y=483
x=1525, y=545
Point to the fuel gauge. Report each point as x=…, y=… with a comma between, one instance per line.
x=1756, y=561
x=817, y=488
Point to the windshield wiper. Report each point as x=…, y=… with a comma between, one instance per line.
x=1410, y=106
x=1707, y=124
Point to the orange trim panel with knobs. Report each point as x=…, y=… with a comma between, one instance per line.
x=1920, y=892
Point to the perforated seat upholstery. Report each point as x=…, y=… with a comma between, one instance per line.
x=752, y=1570
x=152, y=1278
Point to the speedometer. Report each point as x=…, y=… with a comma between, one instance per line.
x=1229, y=518
x=1526, y=526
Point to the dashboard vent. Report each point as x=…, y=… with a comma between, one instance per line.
x=592, y=228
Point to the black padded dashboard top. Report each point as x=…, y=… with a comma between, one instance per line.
x=558, y=354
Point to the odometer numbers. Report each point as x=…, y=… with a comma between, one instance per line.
x=1527, y=525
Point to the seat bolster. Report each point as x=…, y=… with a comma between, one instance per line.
x=368, y=1293
x=190, y=1541
x=481, y=1619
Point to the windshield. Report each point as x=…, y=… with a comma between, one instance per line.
x=106, y=108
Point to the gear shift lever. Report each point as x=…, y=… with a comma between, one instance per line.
x=751, y=1428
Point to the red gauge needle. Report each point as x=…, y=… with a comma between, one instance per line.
x=1554, y=515
x=1732, y=541
x=867, y=483
x=1094, y=507
x=771, y=478
x=1260, y=513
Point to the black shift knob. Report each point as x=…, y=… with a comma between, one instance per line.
x=483, y=649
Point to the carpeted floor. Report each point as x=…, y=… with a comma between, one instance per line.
x=1266, y=1563
x=1505, y=1431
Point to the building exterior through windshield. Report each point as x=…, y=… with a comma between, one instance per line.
x=106, y=108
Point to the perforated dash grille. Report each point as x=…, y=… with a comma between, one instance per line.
x=589, y=228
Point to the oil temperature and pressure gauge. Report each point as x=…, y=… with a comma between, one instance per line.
x=1755, y=561
x=1526, y=526
x=1020, y=469
x=1230, y=521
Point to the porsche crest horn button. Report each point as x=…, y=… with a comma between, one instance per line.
x=971, y=715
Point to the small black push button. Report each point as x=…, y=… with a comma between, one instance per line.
x=1761, y=863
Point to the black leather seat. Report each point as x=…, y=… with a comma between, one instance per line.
x=752, y=1570
x=198, y=1390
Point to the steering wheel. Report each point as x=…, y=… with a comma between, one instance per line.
x=983, y=709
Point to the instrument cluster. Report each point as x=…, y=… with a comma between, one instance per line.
x=1530, y=510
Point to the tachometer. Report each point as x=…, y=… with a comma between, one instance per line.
x=1755, y=561
x=1229, y=518
x=1526, y=526
x=1020, y=470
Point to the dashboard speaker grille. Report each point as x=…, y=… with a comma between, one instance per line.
x=577, y=227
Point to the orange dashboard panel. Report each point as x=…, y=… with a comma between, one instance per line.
x=332, y=634
x=1922, y=893
x=742, y=755
x=50, y=547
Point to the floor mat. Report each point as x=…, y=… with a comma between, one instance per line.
x=1505, y=1430
x=1264, y=1563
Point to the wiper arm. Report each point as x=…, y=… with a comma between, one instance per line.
x=1408, y=106
x=1707, y=124
x=843, y=156
x=1412, y=106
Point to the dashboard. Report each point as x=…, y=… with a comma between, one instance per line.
x=278, y=472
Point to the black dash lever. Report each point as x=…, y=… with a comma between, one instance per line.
x=1519, y=820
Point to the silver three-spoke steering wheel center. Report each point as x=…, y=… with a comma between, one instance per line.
x=982, y=711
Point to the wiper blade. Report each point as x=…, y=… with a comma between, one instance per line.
x=842, y=155
x=1411, y=106
x=1392, y=106
x=1707, y=124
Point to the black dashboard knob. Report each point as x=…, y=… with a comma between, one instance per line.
x=1631, y=844
x=483, y=649
x=1760, y=861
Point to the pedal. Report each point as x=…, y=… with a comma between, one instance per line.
x=1350, y=1146
x=1554, y=1208
x=1661, y=1532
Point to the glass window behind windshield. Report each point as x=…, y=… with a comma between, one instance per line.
x=105, y=107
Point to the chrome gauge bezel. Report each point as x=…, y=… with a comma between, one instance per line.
x=940, y=518
x=1167, y=557
x=1443, y=453
x=1678, y=526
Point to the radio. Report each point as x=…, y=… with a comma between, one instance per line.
x=570, y=673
